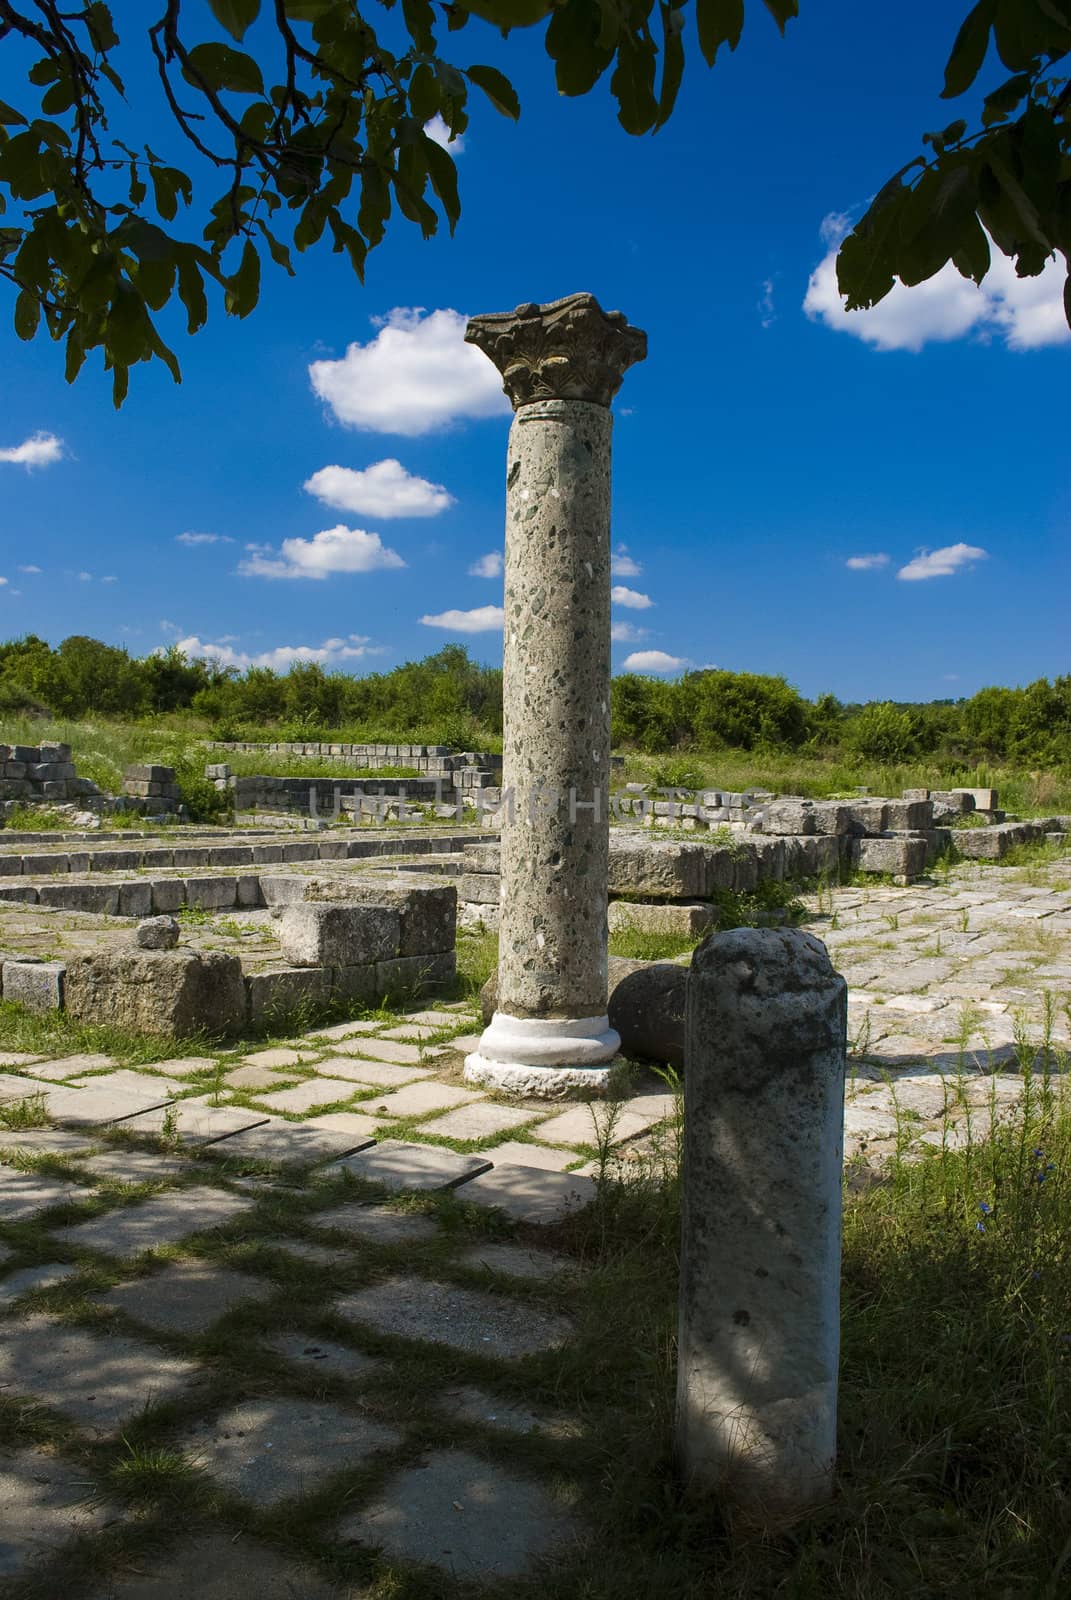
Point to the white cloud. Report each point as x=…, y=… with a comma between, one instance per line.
x=202, y=538
x=30, y=569
x=627, y=633
x=488, y=566
x=867, y=563
x=1026, y=312
x=632, y=598
x=622, y=564
x=338, y=549
x=331, y=652
x=436, y=129
x=654, y=661
x=111, y=578
x=384, y=489
x=39, y=450
x=767, y=314
x=482, y=619
x=415, y=376
x=85, y=577
x=2, y=581
x=941, y=563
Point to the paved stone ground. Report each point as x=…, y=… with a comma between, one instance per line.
x=281, y=1299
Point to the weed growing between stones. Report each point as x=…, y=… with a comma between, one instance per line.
x=28, y=1113
x=55, y=1033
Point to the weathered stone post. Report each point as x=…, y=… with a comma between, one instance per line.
x=759, y=1333
x=561, y=364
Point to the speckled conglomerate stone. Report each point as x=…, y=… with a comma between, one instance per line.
x=556, y=682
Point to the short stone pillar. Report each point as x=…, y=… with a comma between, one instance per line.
x=759, y=1336
x=562, y=364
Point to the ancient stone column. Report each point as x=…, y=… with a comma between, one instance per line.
x=759, y=1335
x=561, y=364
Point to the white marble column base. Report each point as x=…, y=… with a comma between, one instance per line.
x=545, y=1057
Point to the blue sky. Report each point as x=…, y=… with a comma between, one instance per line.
x=765, y=448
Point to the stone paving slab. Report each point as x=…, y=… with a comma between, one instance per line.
x=356, y=1123
x=480, y=1121
x=254, y=1078
x=92, y=1108
x=44, y=1141
x=422, y=1099
x=612, y=1123
x=186, y=1297
x=44, y=1503
x=378, y=1224
x=383, y=1074
x=271, y=1450
x=165, y=1219
x=310, y=1093
x=99, y=1380
x=184, y=1066
x=71, y=1066
x=514, y=1261
x=530, y=1155
x=279, y=1058
x=468, y=1404
x=398, y=1165
x=297, y=1144
x=394, y=1050
x=17, y=1058
x=125, y=1081
x=206, y=1565
x=467, y=1517
x=312, y=1354
x=193, y=1122
x=465, y=1319
x=26, y=1279
x=135, y=1166
x=26, y=1194
x=530, y=1194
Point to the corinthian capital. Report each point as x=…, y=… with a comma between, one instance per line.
x=569, y=349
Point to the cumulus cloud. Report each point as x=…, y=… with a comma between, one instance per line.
x=627, y=633
x=3, y=581
x=202, y=538
x=30, y=569
x=331, y=653
x=39, y=450
x=632, y=598
x=415, y=376
x=384, y=489
x=941, y=563
x=111, y=578
x=622, y=564
x=867, y=563
x=482, y=619
x=436, y=129
x=488, y=566
x=1025, y=312
x=338, y=549
x=654, y=661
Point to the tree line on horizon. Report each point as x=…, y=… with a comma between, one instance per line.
x=448, y=698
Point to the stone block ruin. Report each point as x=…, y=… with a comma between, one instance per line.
x=45, y=776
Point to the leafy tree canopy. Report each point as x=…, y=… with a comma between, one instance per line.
x=316, y=125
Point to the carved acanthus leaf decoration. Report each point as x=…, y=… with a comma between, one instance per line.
x=569, y=349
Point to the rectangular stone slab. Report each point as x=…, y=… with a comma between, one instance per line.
x=101, y=1382
x=162, y=1220
x=398, y=1165
x=193, y=1122
x=290, y=1144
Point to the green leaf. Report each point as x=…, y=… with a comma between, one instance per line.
x=27, y=314
x=9, y=117
x=44, y=71
x=782, y=11
x=223, y=68
x=419, y=20
x=865, y=261
x=633, y=85
x=574, y=43
x=168, y=183
x=278, y=251
x=972, y=258
x=120, y=385
x=1002, y=102
x=100, y=26
x=443, y=175
x=719, y=22
x=672, y=61
x=191, y=291
x=423, y=93
x=507, y=14
x=127, y=326
x=1067, y=297
x=935, y=218
x=76, y=354
x=498, y=89
x=235, y=15
x=969, y=50
x=243, y=290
